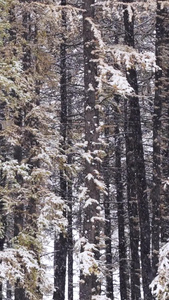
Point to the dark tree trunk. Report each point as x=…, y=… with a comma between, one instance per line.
x=161, y=97
x=60, y=254
x=8, y=290
x=107, y=208
x=60, y=267
x=123, y=266
x=132, y=208
x=89, y=284
x=3, y=152
x=156, y=190
x=60, y=244
x=141, y=187
x=19, y=292
x=70, y=204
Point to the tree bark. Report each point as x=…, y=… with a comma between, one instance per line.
x=89, y=284
x=70, y=204
x=141, y=187
x=3, y=154
x=161, y=97
x=156, y=190
x=60, y=244
x=123, y=266
x=132, y=208
x=107, y=208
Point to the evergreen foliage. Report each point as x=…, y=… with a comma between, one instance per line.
x=84, y=149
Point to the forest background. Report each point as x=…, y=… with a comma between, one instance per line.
x=84, y=149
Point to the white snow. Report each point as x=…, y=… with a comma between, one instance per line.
x=160, y=285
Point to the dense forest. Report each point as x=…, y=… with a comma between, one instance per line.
x=84, y=150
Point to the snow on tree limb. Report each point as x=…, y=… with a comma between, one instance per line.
x=160, y=284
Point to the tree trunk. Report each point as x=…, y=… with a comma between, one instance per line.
x=123, y=266
x=161, y=97
x=107, y=228
x=3, y=154
x=156, y=190
x=141, y=187
x=70, y=204
x=60, y=244
x=60, y=247
x=89, y=284
x=132, y=208
x=8, y=290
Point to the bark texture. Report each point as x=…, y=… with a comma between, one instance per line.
x=60, y=244
x=123, y=266
x=89, y=283
x=139, y=165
